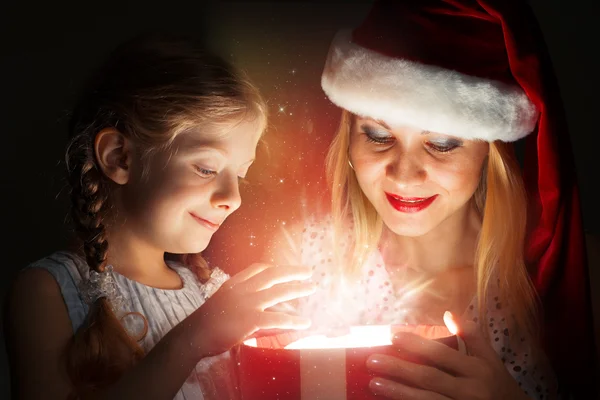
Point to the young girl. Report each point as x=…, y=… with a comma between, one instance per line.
x=157, y=146
x=429, y=206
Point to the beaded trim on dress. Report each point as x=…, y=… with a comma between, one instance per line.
x=217, y=278
x=99, y=285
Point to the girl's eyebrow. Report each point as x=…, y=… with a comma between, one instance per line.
x=190, y=144
x=199, y=148
x=196, y=147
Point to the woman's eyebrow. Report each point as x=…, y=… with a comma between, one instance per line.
x=386, y=126
x=380, y=122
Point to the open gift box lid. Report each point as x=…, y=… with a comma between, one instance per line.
x=303, y=365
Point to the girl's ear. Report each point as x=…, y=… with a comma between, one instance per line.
x=114, y=155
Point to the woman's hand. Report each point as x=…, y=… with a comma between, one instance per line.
x=237, y=309
x=478, y=375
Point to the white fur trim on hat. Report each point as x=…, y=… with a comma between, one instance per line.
x=401, y=92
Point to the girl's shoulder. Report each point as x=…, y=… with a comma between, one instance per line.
x=63, y=265
x=68, y=270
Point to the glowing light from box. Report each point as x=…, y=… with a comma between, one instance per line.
x=359, y=336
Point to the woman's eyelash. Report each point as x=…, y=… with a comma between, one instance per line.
x=376, y=136
x=372, y=137
x=444, y=148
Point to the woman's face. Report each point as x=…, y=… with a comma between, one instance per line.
x=415, y=179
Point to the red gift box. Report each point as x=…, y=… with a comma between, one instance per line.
x=267, y=370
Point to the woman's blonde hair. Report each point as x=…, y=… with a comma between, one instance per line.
x=151, y=89
x=501, y=201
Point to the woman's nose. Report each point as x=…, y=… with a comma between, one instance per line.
x=406, y=168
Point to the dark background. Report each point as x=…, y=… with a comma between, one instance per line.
x=49, y=49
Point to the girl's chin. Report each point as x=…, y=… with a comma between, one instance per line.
x=193, y=248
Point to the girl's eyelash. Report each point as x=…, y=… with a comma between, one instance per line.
x=205, y=173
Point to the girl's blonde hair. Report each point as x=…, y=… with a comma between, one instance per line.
x=151, y=89
x=501, y=201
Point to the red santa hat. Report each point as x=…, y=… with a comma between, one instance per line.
x=478, y=69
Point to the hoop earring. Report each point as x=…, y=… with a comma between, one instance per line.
x=350, y=164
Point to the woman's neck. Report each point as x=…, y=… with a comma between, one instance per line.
x=451, y=244
x=434, y=273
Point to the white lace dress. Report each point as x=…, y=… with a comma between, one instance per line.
x=213, y=378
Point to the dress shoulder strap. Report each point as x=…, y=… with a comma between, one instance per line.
x=68, y=269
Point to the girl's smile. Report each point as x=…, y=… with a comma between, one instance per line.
x=206, y=223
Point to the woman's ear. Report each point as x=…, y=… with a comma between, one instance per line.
x=114, y=155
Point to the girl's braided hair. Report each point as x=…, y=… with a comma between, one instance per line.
x=151, y=89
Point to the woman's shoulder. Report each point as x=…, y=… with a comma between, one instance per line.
x=309, y=237
x=325, y=223
x=317, y=227
x=323, y=237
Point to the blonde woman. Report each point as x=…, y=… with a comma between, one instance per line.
x=430, y=210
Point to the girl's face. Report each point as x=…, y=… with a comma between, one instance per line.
x=415, y=179
x=192, y=188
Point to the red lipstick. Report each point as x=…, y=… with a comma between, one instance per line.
x=409, y=204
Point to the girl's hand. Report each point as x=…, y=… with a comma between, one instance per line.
x=478, y=375
x=237, y=309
